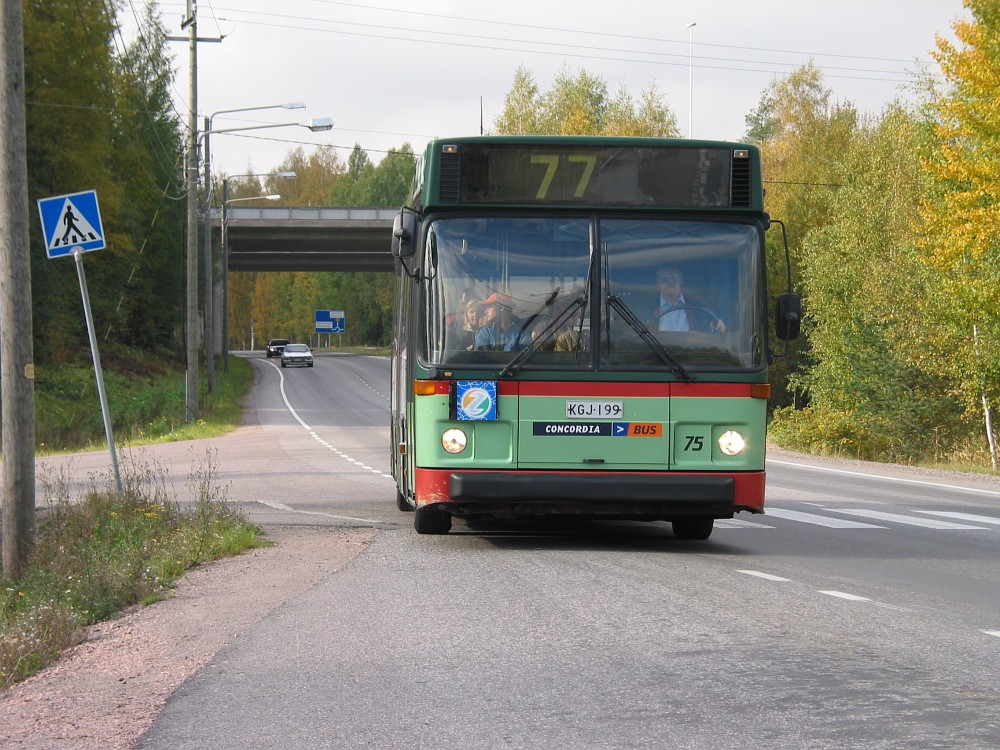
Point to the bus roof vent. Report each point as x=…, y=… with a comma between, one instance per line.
x=449, y=177
x=740, y=191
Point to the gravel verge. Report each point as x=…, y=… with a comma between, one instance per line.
x=106, y=692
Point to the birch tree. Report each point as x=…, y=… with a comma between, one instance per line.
x=961, y=215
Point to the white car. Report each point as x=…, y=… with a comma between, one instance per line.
x=296, y=354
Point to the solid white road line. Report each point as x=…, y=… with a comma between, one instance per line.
x=289, y=509
x=888, y=479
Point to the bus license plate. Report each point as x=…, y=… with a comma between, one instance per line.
x=594, y=409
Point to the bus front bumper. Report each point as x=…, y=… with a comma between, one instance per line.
x=634, y=495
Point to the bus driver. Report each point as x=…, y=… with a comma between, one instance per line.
x=677, y=313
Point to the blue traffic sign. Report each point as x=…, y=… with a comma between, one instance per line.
x=330, y=321
x=70, y=222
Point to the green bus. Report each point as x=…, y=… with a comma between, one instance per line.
x=580, y=329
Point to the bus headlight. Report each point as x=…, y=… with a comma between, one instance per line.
x=731, y=443
x=454, y=440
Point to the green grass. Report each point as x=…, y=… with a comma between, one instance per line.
x=146, y=400
x=843, y=434
x=96, y=556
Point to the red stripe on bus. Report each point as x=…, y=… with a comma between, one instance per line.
x=595, y=389
x=707, y=390
x=620, y=389
x=431, y=485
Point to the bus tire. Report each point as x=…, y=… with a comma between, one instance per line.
x=427, y=521
x=697, y=528
x=402, y=503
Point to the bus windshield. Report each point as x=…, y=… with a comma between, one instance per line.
x=585, y=293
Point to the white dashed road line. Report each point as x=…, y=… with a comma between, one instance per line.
x=317, y=438
x=765, y=576
x=844, y=595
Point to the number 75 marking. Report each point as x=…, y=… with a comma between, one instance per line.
x=551, y=162
x=694, y=443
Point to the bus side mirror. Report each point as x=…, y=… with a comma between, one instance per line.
x=788, y=316
x=404, y=232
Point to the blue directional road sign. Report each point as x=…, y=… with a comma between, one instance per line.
x=330, y=321
x=71, y=221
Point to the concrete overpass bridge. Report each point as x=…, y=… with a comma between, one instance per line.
x=288, y=238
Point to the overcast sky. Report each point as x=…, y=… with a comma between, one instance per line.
x=395, y=71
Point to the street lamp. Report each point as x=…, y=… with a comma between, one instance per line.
x=690, y=27
x=224, y=221
x=314, y=125
x=191, y=382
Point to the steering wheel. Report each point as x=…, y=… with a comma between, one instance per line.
x=715, y=322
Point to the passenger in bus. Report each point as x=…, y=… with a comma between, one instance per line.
x=464, y=297
x=503, y=330
x=676, y=312
x=568, y=338
x=558, y=331
x=486, y=314
x=462, y=333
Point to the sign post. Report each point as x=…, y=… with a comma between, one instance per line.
x=71, y=225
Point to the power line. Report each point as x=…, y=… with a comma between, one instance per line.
x=465, y=37
x=560, y=52
x=548, y=29
x=560, y=48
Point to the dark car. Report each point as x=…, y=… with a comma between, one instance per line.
x=296, y=354
x=275, y=347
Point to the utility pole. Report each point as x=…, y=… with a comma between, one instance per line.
x=209, y=270
x=17, y=368
x=690, y=27
x=191, y=326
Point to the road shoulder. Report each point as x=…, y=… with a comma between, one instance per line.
x=107, y=691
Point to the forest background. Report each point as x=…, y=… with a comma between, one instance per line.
x=892, y=219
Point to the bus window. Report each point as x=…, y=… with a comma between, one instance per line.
x=522, y=273
x=694, y=285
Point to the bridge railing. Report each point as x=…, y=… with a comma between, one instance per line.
x=303, y=213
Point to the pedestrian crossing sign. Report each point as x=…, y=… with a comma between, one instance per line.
x=70, y=222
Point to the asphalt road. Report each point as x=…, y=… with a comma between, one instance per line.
x=860, y=612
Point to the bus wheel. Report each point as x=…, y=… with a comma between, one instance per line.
x=402, y=503
x=696, y=527
x=431, y=521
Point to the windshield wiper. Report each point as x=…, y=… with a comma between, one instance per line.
x=646, y=335
x=522, y=356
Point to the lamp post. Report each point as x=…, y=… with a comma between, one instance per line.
x=314, y=125
x=209, y=327
x=223, y=222
x=690, y=28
